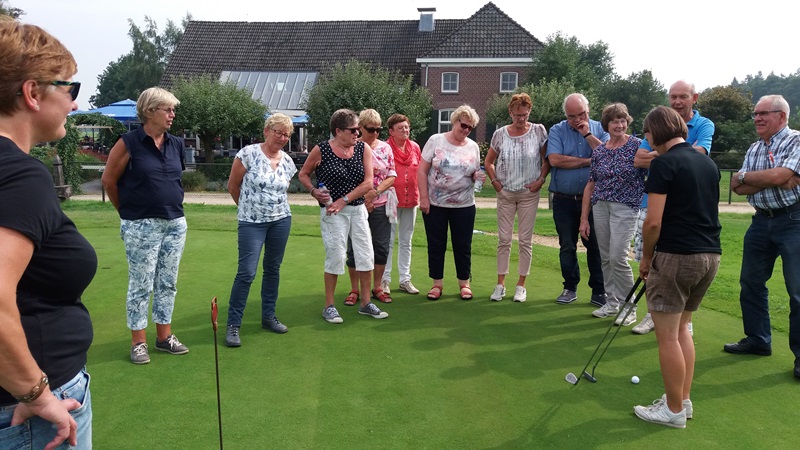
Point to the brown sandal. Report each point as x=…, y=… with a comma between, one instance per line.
x=435, y=293
x=381, y=296
x=351, y=299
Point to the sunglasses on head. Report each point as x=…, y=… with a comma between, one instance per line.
x=74, y=87
x=374, y=130
x=354, y=130
x=465, y=126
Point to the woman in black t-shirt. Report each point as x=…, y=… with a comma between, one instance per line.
x=45, y=263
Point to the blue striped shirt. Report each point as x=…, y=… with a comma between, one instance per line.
x=783, y=150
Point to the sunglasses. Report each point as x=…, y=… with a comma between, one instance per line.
x=354, y=130
x=74, y=87
x=373, y=130
x=465, y=126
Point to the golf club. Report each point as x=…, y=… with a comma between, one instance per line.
x=216, y=364
x=626, y=309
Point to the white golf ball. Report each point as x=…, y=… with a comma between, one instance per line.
x=635, y=379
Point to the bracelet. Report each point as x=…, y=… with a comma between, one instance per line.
x=587, y=135
x=312, y=191
x=35, y=392
x=494, y=181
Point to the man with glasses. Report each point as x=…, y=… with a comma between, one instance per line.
x=682, y=98
x=569, y=152
x=769, y=178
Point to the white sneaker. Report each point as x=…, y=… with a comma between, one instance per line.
x=498, y=294
x=520, y=294
x=659, y=413
x=645, y=326
x=385, y=287
x=606, y=310
x=408, y=287
x=630, y=320
x=687, y=405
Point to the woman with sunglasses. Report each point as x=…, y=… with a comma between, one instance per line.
x=383, y=176
x=340, y=164
x=143, y=181
x=259, y=180
x=521, y=168
x=45, y=263
x=450, y=165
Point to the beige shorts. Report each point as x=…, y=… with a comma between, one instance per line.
x=678, y=283
x=335, y=228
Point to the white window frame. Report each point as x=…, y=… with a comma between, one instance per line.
x=450, y=91
x=516, y=82
x=444, y=124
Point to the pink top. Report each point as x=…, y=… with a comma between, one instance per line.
x=382, y=168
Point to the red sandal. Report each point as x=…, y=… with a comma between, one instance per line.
x=435, y=293
x=466, y=293
x=351, y=299
x=381, y=296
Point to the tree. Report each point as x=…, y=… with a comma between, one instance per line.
x=725, y=103
x=640, y=92
x=358, y=85
x=212, y=109
x=729, y=108
x=8, y=10
x=143, y=66
x=564, y=58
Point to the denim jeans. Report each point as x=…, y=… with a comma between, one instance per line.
x=567, y=217
x=272, y=236
x=765, y=240
x=35, y=433
x=153, y=248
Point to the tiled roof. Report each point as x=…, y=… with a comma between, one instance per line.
x=211, y=47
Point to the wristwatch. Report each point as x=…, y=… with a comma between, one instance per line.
x=346, y=200
x=741, y=177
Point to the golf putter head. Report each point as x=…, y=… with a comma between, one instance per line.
x=571, y=378
x=589, y=377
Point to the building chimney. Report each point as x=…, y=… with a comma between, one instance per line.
x=426, y=19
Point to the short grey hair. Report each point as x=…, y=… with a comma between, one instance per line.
x=580, y=97
x=151, y=99
x=777, y=102
x=465, y=111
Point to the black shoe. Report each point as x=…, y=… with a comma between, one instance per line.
x=599, y=299
x=745, y=347
x=797, y=367
x=274, y=325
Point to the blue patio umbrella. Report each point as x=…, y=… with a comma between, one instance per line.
x=123, y=110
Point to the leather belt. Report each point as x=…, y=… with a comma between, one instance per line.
x=778, y=211
x=572, y=197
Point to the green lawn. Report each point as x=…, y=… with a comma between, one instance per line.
x=447, y=374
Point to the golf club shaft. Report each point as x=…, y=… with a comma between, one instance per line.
x=216, y=366
x=628, y=305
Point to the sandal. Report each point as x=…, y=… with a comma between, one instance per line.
x=466, y=293
x=351, y=299
x=435, y=293
x=381, y=296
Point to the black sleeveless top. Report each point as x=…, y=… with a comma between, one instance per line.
x=341, y=175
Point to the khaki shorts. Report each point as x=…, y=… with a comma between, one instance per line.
x=678, y=283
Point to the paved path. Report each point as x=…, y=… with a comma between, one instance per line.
x=307, y=200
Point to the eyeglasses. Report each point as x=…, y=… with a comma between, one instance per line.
x=465, y=126
x=74, y=87
x=373, y=130
x=169, y=111
x=755, y=114
x=580, y=115
x=354, y=130
x=521, y=116
x=281, y=134
x=401, y=128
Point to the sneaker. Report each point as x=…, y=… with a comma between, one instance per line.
x=659, y=413
x=408, y=287
x=385, y=287
x=171, y=345
x=498, y=294
x=566, y=297
x=371, y=310
x=691, y=330
x=232, y=337
x=599, y=299
x=520, y=294
x=630, y=320
x=331, y=315
x=273, y=324
x=606, y=311
x=645, y=326
x=139, y=354
x=687, y=405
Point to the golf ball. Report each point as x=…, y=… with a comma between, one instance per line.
x=635, y=379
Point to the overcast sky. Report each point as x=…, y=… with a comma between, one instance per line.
x=704, y=41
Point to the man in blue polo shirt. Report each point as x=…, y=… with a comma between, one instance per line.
x=682, y=98
x=569, y=152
